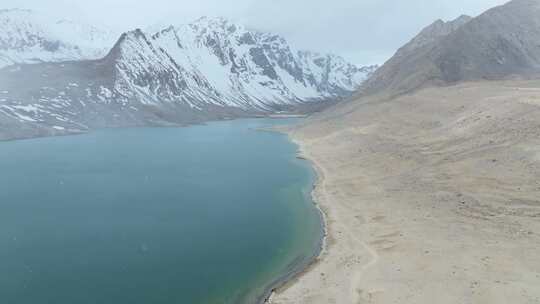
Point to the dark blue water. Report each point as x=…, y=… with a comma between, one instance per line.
x=204, y=214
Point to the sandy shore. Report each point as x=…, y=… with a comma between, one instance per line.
x=429, y=198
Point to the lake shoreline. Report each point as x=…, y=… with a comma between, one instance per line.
x=406, y=212
x=290, y=278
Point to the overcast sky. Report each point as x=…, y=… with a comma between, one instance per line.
x=363, y=31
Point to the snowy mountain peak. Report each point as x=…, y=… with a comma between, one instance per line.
x=250, y=67
x=29, y=37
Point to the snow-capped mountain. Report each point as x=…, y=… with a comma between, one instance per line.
x=250, y=68
x=210, y=69
x=28, y=37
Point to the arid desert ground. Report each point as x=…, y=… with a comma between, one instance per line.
x=432, y=197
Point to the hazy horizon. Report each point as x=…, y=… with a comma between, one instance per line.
x=364, y=32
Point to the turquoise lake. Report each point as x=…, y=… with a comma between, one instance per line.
x=204, y=214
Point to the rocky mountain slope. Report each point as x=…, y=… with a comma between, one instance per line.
x=498, y=44
x=28, y=37
x=210, y=69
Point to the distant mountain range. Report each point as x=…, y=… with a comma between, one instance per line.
x=209, y=69
x=503, y=42
x=60, y=77
x=27, y=37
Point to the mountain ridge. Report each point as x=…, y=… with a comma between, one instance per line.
x=203, y=71
x=498, y=44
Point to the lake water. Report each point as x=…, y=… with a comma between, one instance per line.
x=204, y=214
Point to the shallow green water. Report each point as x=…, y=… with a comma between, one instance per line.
x=204, y=214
